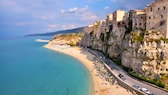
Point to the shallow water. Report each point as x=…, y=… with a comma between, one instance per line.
x=26, y=68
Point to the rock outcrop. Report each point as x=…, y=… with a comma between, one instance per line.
x=147, y=56
x=71, y=39
x=145, y=52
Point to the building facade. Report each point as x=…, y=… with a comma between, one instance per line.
x=118, y=17
x=138, y=19
x=157, y=16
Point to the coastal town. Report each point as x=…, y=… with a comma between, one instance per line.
x=138, y=38
x=128, y=51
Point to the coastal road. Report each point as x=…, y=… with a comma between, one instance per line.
x=129, y=80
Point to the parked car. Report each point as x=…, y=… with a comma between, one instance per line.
x=145, y=91
x=121, y=76
x=137, y=87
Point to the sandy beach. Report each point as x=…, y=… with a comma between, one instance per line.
x=101, y=86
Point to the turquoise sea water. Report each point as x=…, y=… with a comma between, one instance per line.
x=26, y=68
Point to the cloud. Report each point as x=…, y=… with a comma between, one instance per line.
x=84, y=9
x=46, y=16
x=70, y=26
x=43, y=17
x=118, y=0
x=52, y=25
x=106, y=8
x=93, y=0
x=62, y=11
x=89, y=16
x=74, y=10
x=11, y=5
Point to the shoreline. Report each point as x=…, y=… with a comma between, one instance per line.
x=61, y=50
x=99, y=86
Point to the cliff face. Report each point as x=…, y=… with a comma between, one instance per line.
x=147, y=56
x=144, y=52
x=108, y=42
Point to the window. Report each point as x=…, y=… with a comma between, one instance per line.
x=118, y=24
x=158, y=9
x=161, y=16
x=149, y=17
x=140, y=23
x=164, y=8
x=151, y=9
x=162, y=23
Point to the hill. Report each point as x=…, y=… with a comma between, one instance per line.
x=75, y=30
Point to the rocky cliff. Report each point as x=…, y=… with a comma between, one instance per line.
x=108, y=42
x=71, y=39
x=145, y=52
x=146, y=55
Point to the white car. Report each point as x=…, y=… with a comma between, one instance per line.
x=145, y=90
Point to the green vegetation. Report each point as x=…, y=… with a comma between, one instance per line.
x=72, y=44
x=164, y=39
x=68, y=36
x=117, y=62
x=136, y=37
x=147, y=59
x=142, y=78
x=164, y=80
x=162, y=74
x=71, y=39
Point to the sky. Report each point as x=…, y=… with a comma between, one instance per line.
x=21, y=17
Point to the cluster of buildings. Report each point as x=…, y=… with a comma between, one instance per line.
x=154, y=17
x=147, y=57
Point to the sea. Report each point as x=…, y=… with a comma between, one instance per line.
x=27, y=68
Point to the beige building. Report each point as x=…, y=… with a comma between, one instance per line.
x=89, y=28
x=157, y=16
x=109, y=21
x=109, y=17
x=118, y=17
x=138, y=19
x=95, y=26
x=126, y=18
